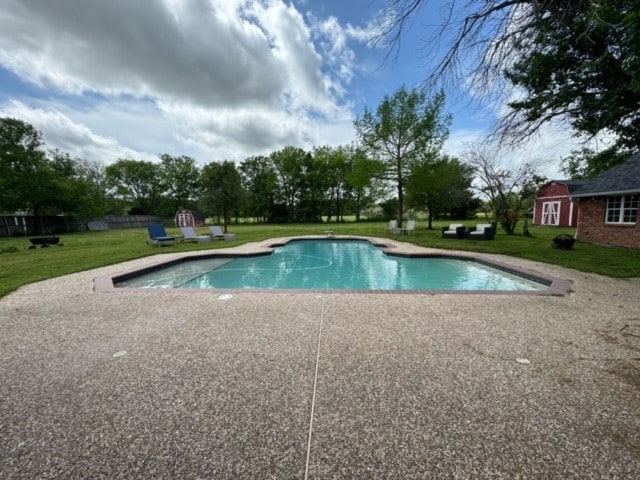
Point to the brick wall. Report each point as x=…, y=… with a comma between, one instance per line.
x=593, y=229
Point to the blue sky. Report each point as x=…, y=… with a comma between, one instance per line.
x=213, y=79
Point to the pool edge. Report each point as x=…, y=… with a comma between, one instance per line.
x=555, y=286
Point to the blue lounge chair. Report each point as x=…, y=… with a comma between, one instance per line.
x=158, y=236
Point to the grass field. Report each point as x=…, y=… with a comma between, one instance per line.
x=82, y=251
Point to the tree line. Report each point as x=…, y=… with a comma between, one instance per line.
x=289, y=185
x=574, y=62
x=397, y=166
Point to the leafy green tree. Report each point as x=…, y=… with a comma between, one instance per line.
x=137, y=182
x=389, y=208
x=329, y=179
x=405, y=127
x=288, y=164
x=318, y=176
x=576, y=61
x=364, y=179
x=81, y=185
x=582, y=65
x=23, y=167
x=436, y=186
x=585, y=163
x=93, y=175
x=28, y=179
x=180, y=179
x=260, y=183
x=222, y=192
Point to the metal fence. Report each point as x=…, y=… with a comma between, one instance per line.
x=28, y=225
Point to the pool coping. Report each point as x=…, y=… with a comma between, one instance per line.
x=555, y=286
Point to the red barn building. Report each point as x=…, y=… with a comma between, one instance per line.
x=554, y=205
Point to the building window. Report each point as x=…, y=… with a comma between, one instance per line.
x=622, y=209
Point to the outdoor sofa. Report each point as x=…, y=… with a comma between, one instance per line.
x=455, y=230
x=482, y=231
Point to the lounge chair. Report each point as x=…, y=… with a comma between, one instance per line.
x=410, y=228
x=454, y=230
x=158, y=236
x=216, y=232
x=189, y=234
x=482, y=231
x=393, y=226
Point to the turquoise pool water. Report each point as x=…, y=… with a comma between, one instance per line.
x=333, y=265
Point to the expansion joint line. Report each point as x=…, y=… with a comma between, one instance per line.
x=313, y=396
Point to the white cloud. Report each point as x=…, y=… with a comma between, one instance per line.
x=208, y=78
x=545, y=150
x=194, y=50
x=60, y=132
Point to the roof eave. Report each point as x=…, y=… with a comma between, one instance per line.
x=606, y=194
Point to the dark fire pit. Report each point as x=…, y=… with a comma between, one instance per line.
x=44, y=241
x=564, y=242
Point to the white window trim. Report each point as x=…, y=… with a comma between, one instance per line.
x=621, y=213
x=570, y=213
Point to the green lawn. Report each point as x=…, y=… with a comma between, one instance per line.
x=82, y=251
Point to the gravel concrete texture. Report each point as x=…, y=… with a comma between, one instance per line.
x=320, y=385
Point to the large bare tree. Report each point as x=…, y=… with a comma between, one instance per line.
x=575, y=62
x=507, y=189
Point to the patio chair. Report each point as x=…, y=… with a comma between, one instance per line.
x=216, y=232
x=410, y=228
x=158, y=236
x=482, y=231
x=189, y=234
x=454, y=230
x=393, y=226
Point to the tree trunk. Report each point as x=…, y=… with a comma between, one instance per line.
x=37, y=220
x=400, y=205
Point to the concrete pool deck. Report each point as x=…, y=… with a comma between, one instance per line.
x=285, y=385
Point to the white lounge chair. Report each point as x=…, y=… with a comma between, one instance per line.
x=217, y=232
x=410, y=228
x=189, y=235
x=393, y=227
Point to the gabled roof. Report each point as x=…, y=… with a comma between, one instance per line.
x=572, y=185
x=619, y=180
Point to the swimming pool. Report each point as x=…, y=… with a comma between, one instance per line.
x=333, y=265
